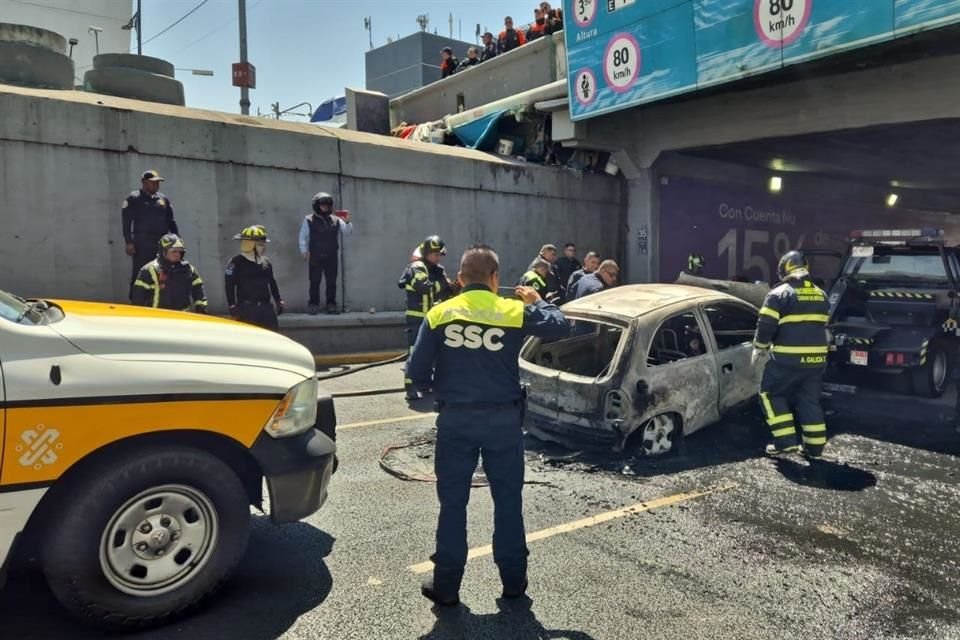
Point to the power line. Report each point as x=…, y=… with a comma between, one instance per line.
x=65, y=10
x=222, y=26
x=182, y=18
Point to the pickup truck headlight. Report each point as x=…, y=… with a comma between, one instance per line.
x=296, y=413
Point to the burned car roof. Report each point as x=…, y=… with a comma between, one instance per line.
x=635, y=300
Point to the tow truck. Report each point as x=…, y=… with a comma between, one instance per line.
x=894, y=312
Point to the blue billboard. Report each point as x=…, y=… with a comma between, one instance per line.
x=621, y=53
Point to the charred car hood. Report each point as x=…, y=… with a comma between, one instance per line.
x=120, y=332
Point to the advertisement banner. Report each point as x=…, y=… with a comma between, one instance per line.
x=742, y=233
x=622, y=53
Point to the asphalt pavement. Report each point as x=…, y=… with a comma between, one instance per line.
x=714, y=542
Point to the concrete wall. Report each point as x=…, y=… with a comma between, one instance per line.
x=67, y=161
x=534, y=65
x=71, y=19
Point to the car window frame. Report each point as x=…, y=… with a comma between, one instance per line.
x=713, y=337
x=627, y=325
x=709, y=347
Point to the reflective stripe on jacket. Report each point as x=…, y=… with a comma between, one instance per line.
x=792, y=324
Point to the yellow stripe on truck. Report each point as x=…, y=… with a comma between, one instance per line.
x=42, y=442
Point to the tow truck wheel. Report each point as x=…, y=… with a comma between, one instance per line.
x=930, y=380
x=145, y=538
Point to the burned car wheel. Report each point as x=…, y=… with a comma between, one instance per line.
x=655, y=437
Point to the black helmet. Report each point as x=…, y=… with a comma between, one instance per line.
x=170, y=241
x=321, y=198
x=793, y=265
x=433, y=243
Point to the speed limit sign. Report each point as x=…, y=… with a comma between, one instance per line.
x=780, y=22
x=621, y=62
x=584, y=11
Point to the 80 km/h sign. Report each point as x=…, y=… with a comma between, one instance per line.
x=621, y=62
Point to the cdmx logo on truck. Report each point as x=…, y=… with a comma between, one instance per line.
x=39, y=447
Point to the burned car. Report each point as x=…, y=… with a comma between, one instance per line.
x=643, y=366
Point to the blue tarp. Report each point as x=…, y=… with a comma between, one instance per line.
x=480, y=133
x=332, y=109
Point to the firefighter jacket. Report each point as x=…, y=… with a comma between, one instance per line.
x=792, y=324
x=474, y=342
x=250, y=281
x=147, y=218
x=426, y=285
x=166, y=285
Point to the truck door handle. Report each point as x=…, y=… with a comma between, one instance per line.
x=727, y=368
x=55, y=376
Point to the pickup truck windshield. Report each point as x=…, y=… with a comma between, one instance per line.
x=13, y=309
x=888, y=266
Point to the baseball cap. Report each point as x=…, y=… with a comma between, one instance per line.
x=151, y=175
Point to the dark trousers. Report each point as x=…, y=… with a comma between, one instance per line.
x=142, y=256
x=791, y=395
x=412, y=331
x=261, y=314
x=463, y=436
x=324, y=268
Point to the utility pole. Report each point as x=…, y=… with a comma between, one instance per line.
x=451, y=25
x=244, y=90
x=139, y=29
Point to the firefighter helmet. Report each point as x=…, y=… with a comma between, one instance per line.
x=321, y=199
x=257, y=233
x=431, y=244
x=171, y=241
x=793, y=265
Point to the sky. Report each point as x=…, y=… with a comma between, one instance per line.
x=303, y=50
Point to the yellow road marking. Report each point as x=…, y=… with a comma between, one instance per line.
x=373, y=423
x=486, y=550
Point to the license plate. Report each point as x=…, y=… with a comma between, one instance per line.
x=859, y=358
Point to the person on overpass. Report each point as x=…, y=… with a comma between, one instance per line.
x=605, y=277
x=448, y=63
x=319, y=241
x=169, y=281
x=510, y=38
x=468, y=349
x=147, y=216
x=566, y=264
x=536, y=277
x=426, y=284
x=489, y=47
x=472, y=60
x=792, y=332
x=251, y=287
x=554, y=18
x=590, y=263
x=538, y=28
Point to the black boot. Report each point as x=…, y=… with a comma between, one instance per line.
x=442, y=592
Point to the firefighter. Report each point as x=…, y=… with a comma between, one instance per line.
x=170, y=282
x=251, y=286
x=536, y=278
x=791, y=331
x=146, y=216
x=468, y=349
x=426, y=284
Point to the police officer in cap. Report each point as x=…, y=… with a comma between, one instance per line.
x=169, y=281
x=468, y=349
x=251, y=287
x=426, y=283
x=320, y=246
x=792, y=332
x=147, y=215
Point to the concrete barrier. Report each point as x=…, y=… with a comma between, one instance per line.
x=139, y=77
x=70, y=158
x=34, y=57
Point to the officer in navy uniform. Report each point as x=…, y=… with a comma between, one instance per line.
x=792, y=332
x=319, y=242
x=147, y=216
x=169, y=281
x=468, y=349
x=250, y=284
x=426, y=284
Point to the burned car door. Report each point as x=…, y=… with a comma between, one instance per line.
x=540, y=381
x=680, y=375
x=732, y=326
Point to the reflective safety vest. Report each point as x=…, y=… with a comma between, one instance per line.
x=533, y=279
x=793, y=323
x=177, y=287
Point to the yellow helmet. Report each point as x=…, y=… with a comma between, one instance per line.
x=257, y=233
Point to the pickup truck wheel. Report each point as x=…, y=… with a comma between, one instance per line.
x=655, y=437
x=144, y=539
x=930, y=380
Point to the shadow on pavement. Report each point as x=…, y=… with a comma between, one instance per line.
x=823, y=474
x=515, y=620
x=282, y=577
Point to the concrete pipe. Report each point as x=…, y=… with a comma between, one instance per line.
x=131, y=61
x=28, y=65
x=134, y=84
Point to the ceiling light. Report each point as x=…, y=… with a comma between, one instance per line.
x=776, y=184
x=892, y=200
